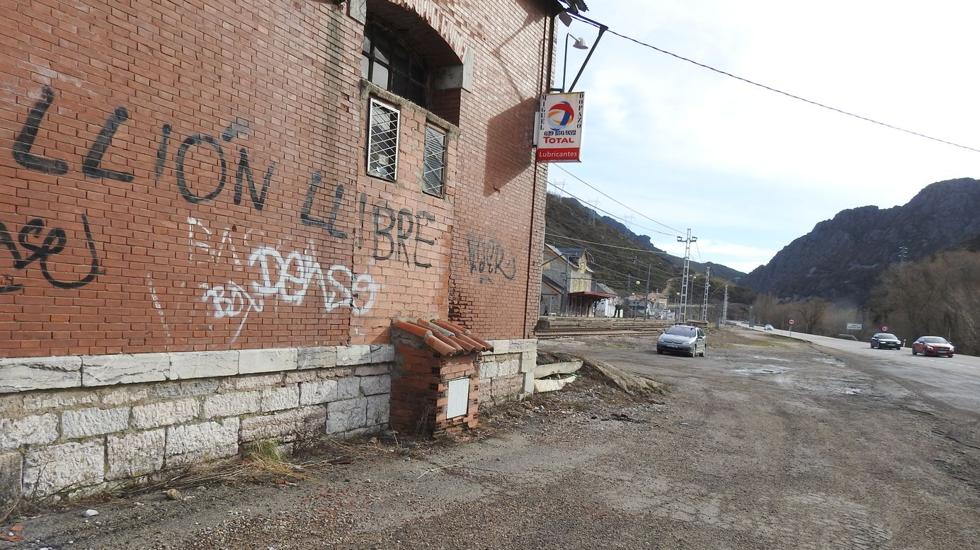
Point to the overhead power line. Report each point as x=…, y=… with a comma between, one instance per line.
x=626, y=206
x=610, y=214
x=776, y=90
x=654, y=252
x=608, y=254
x=594, y=243
x=605, y=257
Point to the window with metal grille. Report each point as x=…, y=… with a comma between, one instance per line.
x=434, y=161
x=388, y=63
x=382, y=158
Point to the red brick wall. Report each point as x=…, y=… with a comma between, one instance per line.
x=490, y=261
x=129, y=220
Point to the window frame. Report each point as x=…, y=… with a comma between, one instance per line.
x=372, y=102
x=402, y=64
x=444, y=159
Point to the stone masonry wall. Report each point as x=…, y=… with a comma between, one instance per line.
x=507, y=372
x=84, y=440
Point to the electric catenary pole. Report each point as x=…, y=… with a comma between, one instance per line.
x=685, y=279
x=724, y=308
x=707, y=285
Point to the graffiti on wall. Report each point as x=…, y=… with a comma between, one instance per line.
x=488, y=258
x=41, y=250
x=270, y=274
x=277, y=274
x=397, y=235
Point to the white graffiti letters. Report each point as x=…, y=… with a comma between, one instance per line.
x=289, y=279
x=286, y=278
x=230, y=301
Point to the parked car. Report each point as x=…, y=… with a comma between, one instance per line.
x=768, y=328
x=933, y=345
x=684, y=339
x=884, y=340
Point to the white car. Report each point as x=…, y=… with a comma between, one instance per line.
x=768, y=328
x=682, y=339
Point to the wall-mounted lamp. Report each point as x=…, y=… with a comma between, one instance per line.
x=579, y=44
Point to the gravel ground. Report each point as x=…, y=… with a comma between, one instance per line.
x=766, y=443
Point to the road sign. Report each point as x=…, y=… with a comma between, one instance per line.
x=884, y=328
x=854, y=326
x=792, y=322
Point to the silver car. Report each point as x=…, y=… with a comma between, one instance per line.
x=682, y=339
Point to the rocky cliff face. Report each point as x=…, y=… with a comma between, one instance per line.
x=842, y=258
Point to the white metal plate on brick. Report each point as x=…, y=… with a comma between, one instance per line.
x=459, y=396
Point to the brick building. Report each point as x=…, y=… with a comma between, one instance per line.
x=211, y=211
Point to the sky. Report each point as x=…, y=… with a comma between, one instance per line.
x=748, y=170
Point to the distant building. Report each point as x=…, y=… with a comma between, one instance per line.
x=653, y=305
x=610, y=306
x=567, y=284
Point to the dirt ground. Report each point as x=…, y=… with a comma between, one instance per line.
x=766, y=443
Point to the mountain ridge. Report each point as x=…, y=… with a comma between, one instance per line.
x=841, y=258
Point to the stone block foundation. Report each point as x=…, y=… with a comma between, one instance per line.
x=77, y=440
x=83, y=440
x=507, y=372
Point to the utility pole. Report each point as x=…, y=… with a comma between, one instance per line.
x=646, y=307
x=687, y=272
x=648, y=280
x=903, y=254
x=564, y=300
x=724, y=308
x=707, y=285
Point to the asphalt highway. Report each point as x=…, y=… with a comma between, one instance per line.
x=954, y=381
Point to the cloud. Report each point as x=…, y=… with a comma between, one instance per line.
x=754, y=169
x=741, y=257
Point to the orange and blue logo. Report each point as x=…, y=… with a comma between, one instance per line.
x=561, y=115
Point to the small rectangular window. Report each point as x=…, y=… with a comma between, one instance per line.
x=365, y=67
x=382, y=158
x=434, y=161
x=379, y=75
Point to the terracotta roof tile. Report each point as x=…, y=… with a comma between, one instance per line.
x=442, y=337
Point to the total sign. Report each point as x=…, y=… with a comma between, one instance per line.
x=560, y=128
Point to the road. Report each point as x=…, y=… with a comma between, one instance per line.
x=768, y=442
x=954, y=381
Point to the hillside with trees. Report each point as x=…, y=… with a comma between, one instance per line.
x=620, y=255
x=913, y=268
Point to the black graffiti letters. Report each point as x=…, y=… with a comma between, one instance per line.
x=316, y=183
x=242, y=175
x=487, y=256
x=92, y=165
x=422, y=220
x=162, y=151
x=383, y=233
x=391, y=238
x=52, y=244
x=245, y=172
x=185, y=191
x=25, y=139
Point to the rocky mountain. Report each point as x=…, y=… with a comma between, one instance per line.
x=842, y=258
